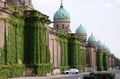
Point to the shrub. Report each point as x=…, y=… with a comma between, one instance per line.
x=62, y=68
x=89, y=77
x=11, y=71
x=103, y=75
x=41, y=69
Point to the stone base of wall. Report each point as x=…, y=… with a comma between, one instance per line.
x=29, y=72
x=56, y=71
x=90, y=69
x=109, y=68
x=48, y=74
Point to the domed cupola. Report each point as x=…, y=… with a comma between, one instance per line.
x=82, y=33
x=62, y=19
x=81, y=30
x=62, y=13
x=99, y=45
x=92, y=41
x=108, y=49
x=91, y=38
x=105, y=48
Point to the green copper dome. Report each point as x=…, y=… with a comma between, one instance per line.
x=61, y=13
x=108, y=49
x=99, y=43
x=104, y=47
x=91, y=38
x=81, y=30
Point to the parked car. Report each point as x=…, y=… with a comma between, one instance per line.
x=71, y=71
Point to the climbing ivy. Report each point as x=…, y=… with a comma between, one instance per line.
x=117, y=62
x=99, y=60
x=73, y=45
x=36, y=51
x=15, y=40
x=105, y=61
x=82, y=59
x=16, y=9
x=11, y=71
x=76, y=54
x=25, y=41
x=62, y=38
x=12, y=53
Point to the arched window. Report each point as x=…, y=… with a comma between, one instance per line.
x=29, y=2
x=62, y=26
x=84, y=40
x=56, y=26
x=66, y=28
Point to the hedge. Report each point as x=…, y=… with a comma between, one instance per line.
x=42, y=69
x=103, y=75
x=89, y=77
x=62, y=68
x=62, y=39
x=11, y=70
x=99, y=75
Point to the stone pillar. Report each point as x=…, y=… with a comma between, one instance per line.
x=30, y=2
x=91, y=58
x=55, y=51
x=94, y=61
x=112, y=61
x=109, y=62
x=2, y=34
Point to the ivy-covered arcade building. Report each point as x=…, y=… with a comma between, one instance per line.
x=29, y=46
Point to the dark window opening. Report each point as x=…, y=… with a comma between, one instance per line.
x=62, y=26
x=56, y=26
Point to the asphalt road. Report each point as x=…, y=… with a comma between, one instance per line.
x=117, y=74
x=69, y=76
x=80, y=76
x=61, y=76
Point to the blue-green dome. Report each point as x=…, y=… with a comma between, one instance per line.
x=81, y=30
x=91, y=38
x=61, y=13
x=99, y=43
x=104, y=47
x=108, y=49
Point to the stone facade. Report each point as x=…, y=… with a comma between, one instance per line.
x=24, y=4
x=52, y=43
x=2, y=34
x=54, y=48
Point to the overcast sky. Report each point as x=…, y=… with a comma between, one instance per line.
x=102, y=17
